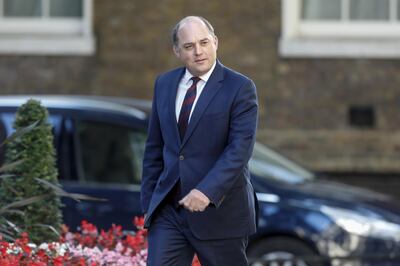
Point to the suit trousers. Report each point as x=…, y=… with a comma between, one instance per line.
x=171, y=242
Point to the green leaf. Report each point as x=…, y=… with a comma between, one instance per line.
x=7, y=236
x=5, y=176
x=20, y=132
x=24, y=202
x=4, y=228
x=62, y=193
x=13, y=226
x=10, y=166
x=13, y=211
x=49, y=227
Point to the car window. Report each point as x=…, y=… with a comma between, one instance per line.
x=109, y=153
x=268, y=164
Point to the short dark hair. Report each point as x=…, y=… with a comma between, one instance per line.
x=178, y=25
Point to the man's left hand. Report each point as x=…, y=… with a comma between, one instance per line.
x=195, y=201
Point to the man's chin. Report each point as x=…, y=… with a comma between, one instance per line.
x=199, y=71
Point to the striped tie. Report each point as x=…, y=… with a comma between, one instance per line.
x=187, y=107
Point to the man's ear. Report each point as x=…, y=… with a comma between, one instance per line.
x=176, y=50
x=216, y=41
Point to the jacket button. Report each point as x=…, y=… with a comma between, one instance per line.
x=181, y=157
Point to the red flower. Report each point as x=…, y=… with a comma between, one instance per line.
x=88, y=228
x=139, y=222
x=58, y=261
x=196, y=261
x=42, y=256
x=88, y=236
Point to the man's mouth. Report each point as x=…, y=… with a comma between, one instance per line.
x=200, y=60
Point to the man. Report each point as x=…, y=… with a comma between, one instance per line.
x=196, y=190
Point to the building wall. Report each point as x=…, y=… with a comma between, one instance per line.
x=304, y=103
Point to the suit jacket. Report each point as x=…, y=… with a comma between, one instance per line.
x=212, y=157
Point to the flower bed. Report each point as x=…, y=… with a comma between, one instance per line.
x=87, y=247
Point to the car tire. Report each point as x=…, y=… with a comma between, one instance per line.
x=280, y=251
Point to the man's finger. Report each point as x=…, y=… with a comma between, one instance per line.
x=183, y=200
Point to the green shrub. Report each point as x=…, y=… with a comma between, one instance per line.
x=36, y=154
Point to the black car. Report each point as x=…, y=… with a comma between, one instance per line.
x=302, y=219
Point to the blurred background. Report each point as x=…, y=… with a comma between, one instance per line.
x=326, y=70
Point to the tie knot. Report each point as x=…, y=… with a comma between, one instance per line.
x=195, y=80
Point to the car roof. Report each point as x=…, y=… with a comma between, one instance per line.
x=128, y=106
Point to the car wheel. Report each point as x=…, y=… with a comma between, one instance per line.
x=281, y=251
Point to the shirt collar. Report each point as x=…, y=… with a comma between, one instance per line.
x=186, y=78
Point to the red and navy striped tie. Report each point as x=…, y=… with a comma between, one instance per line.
x=187, y=107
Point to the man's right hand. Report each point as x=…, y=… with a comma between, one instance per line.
x=195, y=201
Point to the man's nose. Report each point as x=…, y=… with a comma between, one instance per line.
x=198, y=49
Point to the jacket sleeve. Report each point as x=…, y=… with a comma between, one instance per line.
x=153, y=156
x=241, y=138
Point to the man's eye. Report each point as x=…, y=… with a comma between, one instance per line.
x=204, y=43
x=187, y=47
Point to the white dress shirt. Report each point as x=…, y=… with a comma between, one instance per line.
x=185, y=84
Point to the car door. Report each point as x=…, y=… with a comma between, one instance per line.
x=105, y=157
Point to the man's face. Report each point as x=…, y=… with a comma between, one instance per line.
x=196, y=48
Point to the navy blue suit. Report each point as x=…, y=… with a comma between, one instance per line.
x=212, y=157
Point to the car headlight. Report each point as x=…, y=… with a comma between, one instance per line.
x=361, y=225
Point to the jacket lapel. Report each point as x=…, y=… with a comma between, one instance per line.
x=173, y=86
x=211, y=88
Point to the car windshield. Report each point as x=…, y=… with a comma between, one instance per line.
x=269, y=164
